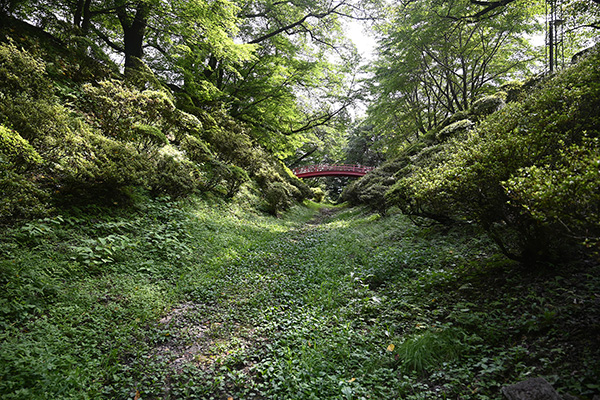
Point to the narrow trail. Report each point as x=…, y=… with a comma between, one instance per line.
x=196, y=329
x=324, y=213
x=285, y=309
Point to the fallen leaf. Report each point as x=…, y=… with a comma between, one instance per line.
x=391, y=347
x=137, y=395
x=351, y=380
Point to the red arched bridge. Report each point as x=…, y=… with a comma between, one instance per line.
x=311, y=171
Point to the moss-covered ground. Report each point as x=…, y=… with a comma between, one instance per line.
x=208, y=300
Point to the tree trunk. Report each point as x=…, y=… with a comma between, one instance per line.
x=82, y=17
x=134, y=30
x=87, y=17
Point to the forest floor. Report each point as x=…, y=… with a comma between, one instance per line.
x=208, y=300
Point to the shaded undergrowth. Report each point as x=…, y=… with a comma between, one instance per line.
x=209, y=301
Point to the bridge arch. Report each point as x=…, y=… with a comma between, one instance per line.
x=313, y=171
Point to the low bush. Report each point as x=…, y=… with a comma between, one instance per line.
x=17, y=151
x=488, y=105
x=107, y=140
x=278, y=197
x=527, y=174
x=318, y=194
x=455, y=129
x=21, y=195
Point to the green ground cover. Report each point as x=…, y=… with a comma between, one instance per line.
x=208, y=300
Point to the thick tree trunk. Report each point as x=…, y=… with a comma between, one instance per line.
x=82, y=17
x=134, y=30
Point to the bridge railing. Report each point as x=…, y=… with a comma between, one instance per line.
x=332, y=168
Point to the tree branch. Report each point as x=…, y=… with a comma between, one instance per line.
x=108, y=40
x=295, y=24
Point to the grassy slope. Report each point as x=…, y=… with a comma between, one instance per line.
x=208, y=300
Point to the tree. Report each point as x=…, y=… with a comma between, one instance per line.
x=279, y=67
x=431, y=67
x=489, y=9
x=301, y=77
x=571, y=25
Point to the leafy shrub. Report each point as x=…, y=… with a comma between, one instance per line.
x=455, y=129
x=92, y=61
x=228, y=155
x=97, y=168
x=100, y=140
x=494, y=175
x=148, y=136
x=235, y=178
x=196, y=150
x=426, y=350
x=514, y=91
x=21, y=196
x=488, y=105
x=231, y=141
x=117, y=108
x=225, y=178
x=277, y=197
x=457, y=116
x=22, y=74
x=565, y=196
x=16, y=150
x=318, y=194
x=371, y=188
x=300, y=190
x=173, y=176
x=27, y=102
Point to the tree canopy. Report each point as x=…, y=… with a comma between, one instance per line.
x=190, y=95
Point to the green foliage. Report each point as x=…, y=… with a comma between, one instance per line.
x=564, y=196
x=231, y=140
x=318, y=194
x=494, y=176
x=22, y=74
x=206, y=298
x=16, y=151
x=425, y=351
x=104, y=142
x=196, y=150
x=515, y=91
x=277, y=197
x=430, y=67
x=101, y=167
x=126, y=113
x=455, y=129
x=148, y=136
x=171, y=174
x=372, y=188
x=227, y=178
x=94, y=253
x=456, y=117
x=20, y=195
x=488, y=105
